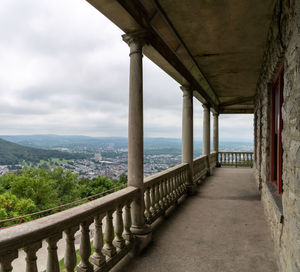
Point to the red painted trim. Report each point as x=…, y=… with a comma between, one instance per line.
x=277, y=84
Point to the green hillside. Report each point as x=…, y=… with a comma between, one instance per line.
x=11, y=153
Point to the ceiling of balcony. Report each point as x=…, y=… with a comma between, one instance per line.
x=217, y=46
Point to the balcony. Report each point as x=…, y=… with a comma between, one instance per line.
x=222, y=225
x=233, y=58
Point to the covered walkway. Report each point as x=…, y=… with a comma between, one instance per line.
x=222, y=228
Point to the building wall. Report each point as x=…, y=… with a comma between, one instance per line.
x=283, y=45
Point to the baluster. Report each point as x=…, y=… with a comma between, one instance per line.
x=127, y=235
x=172, y=187
x=85, y=248
x=108, y=249
x=168, y=190
x=98, y=259
x=31, y=257
x=52, y=261
x=70, y=259
x=161, y=194
x=152, y=200
x=6, y=260
x=119, y=241
x=147, y=203
x=164, y=186
x=235, y=159
x=180, y=182
x=156, y=205
x=231, y=158
x=183, y=179
x=177, y=183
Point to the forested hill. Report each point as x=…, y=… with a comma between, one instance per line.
x=11, y=153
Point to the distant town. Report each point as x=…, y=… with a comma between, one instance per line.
x=108, y=156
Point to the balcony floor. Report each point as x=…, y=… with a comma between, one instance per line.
x=222, y=228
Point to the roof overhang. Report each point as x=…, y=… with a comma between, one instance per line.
x=216, y=46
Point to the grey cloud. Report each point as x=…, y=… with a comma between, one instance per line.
x=64, y=69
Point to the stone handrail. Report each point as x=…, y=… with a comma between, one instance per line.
x=118, y=239
x=163, y=190
x=236, y=159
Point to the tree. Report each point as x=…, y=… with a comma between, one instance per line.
x=123, y=179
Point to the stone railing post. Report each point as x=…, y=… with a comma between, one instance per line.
x=136, y=42
x=187, y=135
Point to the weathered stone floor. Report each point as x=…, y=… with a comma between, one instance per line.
x=222, y=228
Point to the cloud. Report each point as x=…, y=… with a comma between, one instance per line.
x=65, y=69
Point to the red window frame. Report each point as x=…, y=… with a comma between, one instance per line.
x=276, y=130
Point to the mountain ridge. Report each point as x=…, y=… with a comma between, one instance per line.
x=12, y=153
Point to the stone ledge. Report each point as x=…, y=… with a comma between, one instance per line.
x=275, y=200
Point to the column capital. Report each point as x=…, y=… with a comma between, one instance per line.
x=136, y=40
x=206, y=106
x=186, y=89
x=216, y=115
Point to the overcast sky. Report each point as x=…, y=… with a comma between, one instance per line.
x=64, y=70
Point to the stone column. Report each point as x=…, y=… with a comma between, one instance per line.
x=136, y=42
x=187, y=134
x=216, y=133
x=206, y=130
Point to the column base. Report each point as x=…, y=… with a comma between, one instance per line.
x=137, y=230
x=191, y=189
x=141, y=242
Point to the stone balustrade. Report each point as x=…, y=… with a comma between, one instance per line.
x=236, y=159
x=110, y=244
x=200, y=168
x=110, y=217
x=163, y=190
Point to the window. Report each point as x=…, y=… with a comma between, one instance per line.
x=276, y=129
